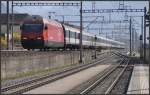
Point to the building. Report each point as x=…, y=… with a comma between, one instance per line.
x=18, y=18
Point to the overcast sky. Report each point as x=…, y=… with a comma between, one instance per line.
x=44, y=11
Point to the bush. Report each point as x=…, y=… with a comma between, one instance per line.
x=17, y=36
x=3, y=42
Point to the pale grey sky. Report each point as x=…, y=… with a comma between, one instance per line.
x=43, y=11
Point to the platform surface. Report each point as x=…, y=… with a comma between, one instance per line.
x=139, y=83
x=65, y=84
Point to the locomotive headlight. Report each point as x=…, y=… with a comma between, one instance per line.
x=24, y=38
x=39, y=38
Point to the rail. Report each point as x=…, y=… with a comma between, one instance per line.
x=91, y=87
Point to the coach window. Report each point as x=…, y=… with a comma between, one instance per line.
x=68, y=33
x=71, y=36
x=83, y=37
x=102, y=40
x=112, y=43
x=92, y=38
x=99, y=39
x=89, y=38
x=109, y=42
x=106, y=41
x=78, y=35
x=86, y=38
x=75, y=35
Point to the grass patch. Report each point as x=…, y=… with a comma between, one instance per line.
x=42, y=71
x=38, y=72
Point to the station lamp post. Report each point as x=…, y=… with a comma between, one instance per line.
x=12, y=24
x=149, y=31
x=81, y=49
x=141, y=38
x=130, y=29
x=0, y=22
x=148, y=38
x=7, y=25
x=144, y=33
x=95, y=38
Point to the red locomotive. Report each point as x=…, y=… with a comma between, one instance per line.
x=39, y=33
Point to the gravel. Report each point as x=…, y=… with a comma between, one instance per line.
x=102, y=87
x=22, y=79
x=123, y=83
x=86, y=84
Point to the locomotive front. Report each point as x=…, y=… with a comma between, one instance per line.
x=32, y=33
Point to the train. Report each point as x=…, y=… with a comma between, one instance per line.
x=40, y=33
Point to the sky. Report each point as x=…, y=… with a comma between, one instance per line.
x=70, y=10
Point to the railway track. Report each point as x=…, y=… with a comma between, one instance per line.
x=104, y=84
x=37, y=82
x=19, y=80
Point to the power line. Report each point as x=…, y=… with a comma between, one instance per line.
x=112, y=10
x=46, y=4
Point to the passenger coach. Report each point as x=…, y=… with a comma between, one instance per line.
x=40, y=33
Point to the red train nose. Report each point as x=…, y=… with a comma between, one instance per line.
x=32, y=36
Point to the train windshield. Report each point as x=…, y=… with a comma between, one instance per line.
x=33, y=27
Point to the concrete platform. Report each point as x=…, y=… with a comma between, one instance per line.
x=139, y=83
x=63, y=85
